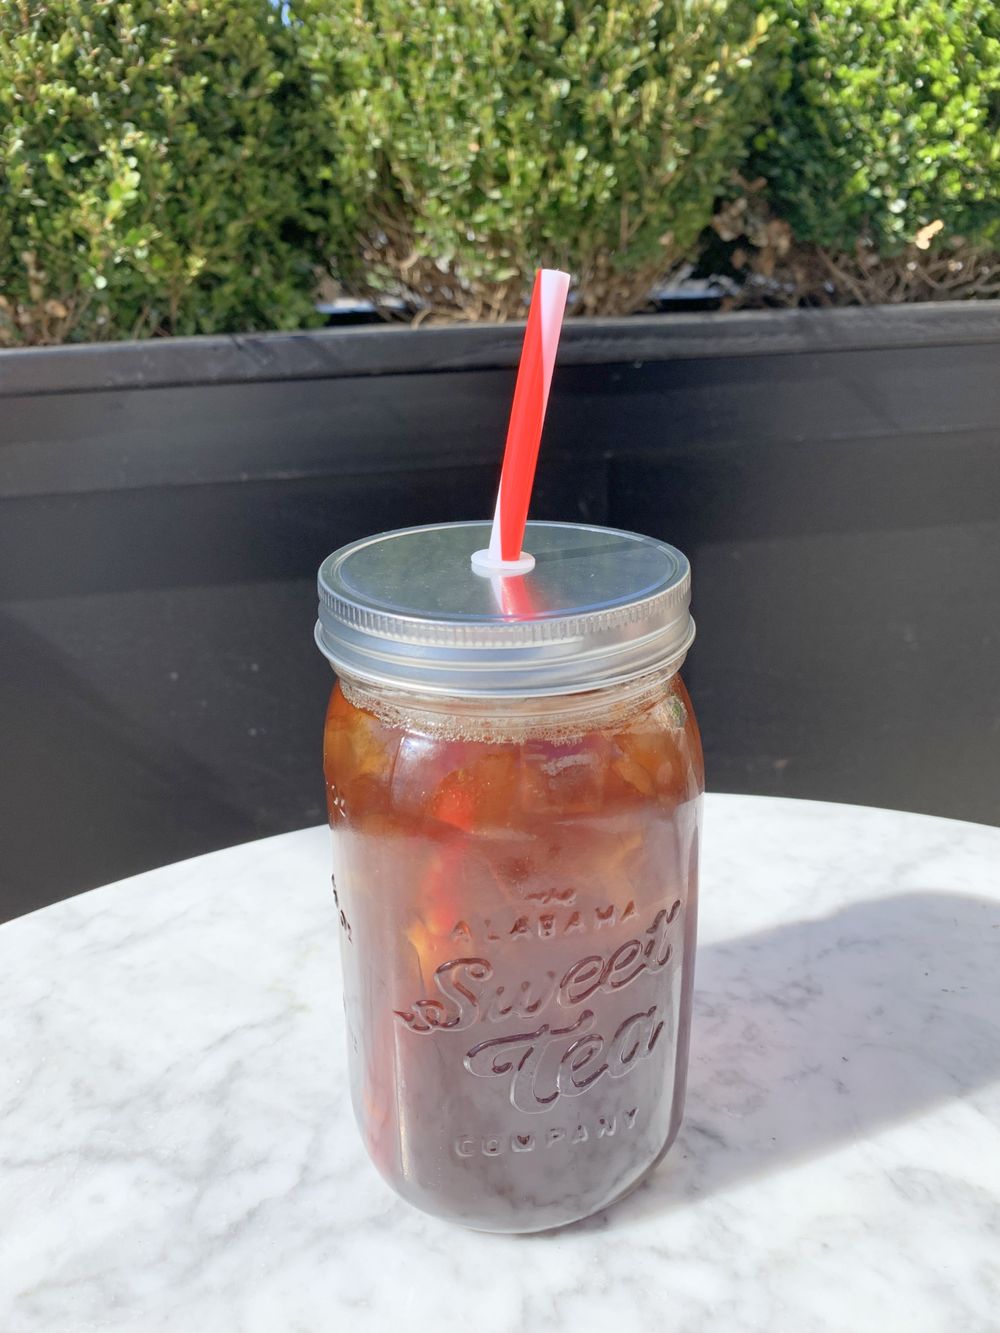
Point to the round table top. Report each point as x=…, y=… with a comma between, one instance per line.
x=178, y=1150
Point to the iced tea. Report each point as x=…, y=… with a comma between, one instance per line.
x=517, y=894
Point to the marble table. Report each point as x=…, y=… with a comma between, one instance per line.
x=177, y=1150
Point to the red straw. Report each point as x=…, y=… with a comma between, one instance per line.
x=527, y=414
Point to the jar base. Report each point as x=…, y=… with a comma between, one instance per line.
x=551, y=1228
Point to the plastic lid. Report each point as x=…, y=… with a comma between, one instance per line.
x=600, y=606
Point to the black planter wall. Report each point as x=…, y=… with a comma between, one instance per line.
x=834, y=477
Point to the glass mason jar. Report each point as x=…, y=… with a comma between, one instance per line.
x=514, y=777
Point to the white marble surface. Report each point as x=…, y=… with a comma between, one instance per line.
x=177, y=1151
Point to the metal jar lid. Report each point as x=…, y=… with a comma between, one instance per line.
x=601, y=606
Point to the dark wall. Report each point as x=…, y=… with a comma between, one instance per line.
x=835, y=479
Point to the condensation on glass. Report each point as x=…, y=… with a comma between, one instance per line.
x=514, y=778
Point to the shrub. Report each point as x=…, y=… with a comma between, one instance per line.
x=468, y=142
x=886, y=125
x=150, y=158
x=763, y=262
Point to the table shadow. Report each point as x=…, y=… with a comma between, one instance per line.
x=817, y=1033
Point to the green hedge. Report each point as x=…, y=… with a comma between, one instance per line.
x=188, y=166
x=468, y=142
x=885, y=121
x=151, y=159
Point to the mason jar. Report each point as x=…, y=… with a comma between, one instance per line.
x=514, y=779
